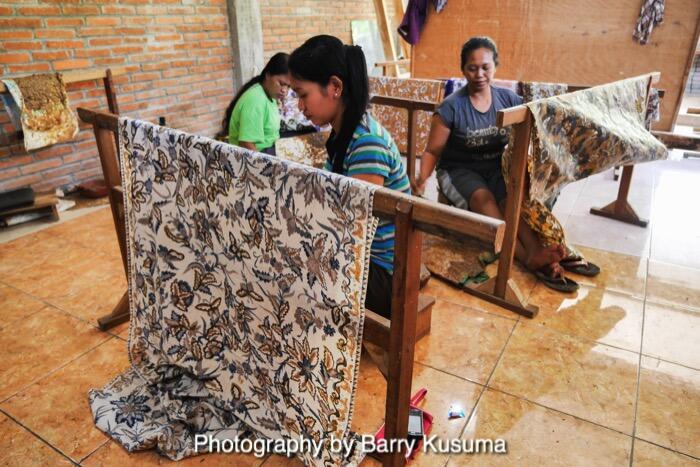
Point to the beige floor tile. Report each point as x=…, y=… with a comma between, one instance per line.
x=537, y=436
x=591, y=313
x=463, y=342
x=443, y=391
x=672, y=334
x=668, y=411
x=113, y=454
x=649, y=455
x=39, y=344
x=33, y=250
x=669, y=284
x=618, y=272
x=56, y=408
x=20, y=448
x=588, y=380
x=15, y=305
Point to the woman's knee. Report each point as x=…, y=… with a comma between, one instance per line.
x=482, y=199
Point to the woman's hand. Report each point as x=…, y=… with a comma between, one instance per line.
x=418, y=186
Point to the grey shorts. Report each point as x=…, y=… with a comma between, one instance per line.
x=459, y=184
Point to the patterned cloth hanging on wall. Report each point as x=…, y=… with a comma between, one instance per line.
x=395, y=120
x=652, y=14
x=41, y=108
x=581, y=134
x=247, y=277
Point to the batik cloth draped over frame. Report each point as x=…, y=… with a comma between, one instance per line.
x=395, y=120
x=583, y=133
x=534, y=212
x=247, y=277
x=42, y=104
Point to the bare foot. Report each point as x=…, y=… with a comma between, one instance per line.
x=545, y=256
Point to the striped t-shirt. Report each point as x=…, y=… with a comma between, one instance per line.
x=372, y=152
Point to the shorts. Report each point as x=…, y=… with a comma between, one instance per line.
x=379, y=290
x=459, y=184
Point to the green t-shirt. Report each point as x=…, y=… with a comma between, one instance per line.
x=255, y=119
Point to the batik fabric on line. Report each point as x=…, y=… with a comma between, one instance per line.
x=247, y=277
x=395, y=120
x=580, y=134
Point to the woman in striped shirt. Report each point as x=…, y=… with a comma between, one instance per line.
x=331, y=81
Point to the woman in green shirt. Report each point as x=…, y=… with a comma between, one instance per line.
x=252, y=118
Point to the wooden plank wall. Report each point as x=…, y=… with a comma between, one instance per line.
x=572, y=41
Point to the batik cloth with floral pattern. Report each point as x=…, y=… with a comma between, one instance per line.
x=247, y=279
x=394, y=119
x=580, y=134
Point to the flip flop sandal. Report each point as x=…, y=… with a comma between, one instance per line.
x=580, y=266
x=561, y=284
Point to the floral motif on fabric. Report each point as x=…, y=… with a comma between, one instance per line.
x=246, y=285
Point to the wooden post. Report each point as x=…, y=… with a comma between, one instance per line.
x=383, y=22
x=398, y=14
x=111, y=94
x=516, y=185
x=411, y=149
x=404, y=308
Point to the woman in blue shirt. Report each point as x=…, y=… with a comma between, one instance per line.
x=467, y=147
x=330, y=79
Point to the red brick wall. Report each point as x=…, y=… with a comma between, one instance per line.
x=288, y=23
x=177, y=53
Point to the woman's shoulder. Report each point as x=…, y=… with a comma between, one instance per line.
x=506, y=96
x=369, y=132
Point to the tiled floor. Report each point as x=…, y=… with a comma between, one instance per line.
x=609, y=375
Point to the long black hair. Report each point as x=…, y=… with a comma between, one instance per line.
x=322, y=57
x=277, y=65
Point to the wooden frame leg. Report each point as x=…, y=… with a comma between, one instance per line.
x=501, y=290
x=119, y=315
x=402, y=338
x=620, y=209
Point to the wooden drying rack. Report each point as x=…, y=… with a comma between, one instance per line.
x=502, y=290
x=105, y=74
x=411, y=215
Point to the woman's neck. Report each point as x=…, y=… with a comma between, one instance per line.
x=482, y=93
x=265, y=83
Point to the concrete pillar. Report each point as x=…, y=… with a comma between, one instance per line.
x=245, y=25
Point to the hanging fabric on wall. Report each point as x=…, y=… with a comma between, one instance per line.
x=580, y=134
x=44, y=112
x=395, y=120
x=652, y=14
x=414, y=18
x=247, y=279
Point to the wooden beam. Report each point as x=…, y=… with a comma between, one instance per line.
x=398, y=14
x=80, y=75
x=677, y=141
x=408, y=104
x=428, y=216
x=384, y=22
